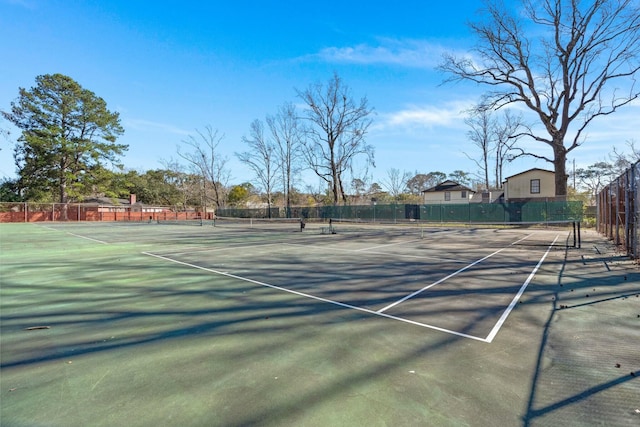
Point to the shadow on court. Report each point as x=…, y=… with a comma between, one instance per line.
x=134, y=340
x=586, y=372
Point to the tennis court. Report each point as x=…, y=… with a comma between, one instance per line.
x=358, y=324
x=396, y=272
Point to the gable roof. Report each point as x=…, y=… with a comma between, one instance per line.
x=448, y=185
x=529, y=170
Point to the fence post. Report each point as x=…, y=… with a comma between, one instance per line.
x=634, y=218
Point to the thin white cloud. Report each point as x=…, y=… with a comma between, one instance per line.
x=147, y=125
x=405, y=53
x=429, y=116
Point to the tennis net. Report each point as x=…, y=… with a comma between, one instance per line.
x=183, y=221
x=266, y=224
x=362, y=227
x=422, y=229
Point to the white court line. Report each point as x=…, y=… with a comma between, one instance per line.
x=506, y=313
x=419, y=291
x=201, y=249
x=388, y=244
x=392, y=254
x=397, y=243
x=88, y=238
x=302, y=294
x=75, y=235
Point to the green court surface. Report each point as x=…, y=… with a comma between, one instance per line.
x=114, y=324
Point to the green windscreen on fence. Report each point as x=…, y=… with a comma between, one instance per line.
x=499, y=212
x=514, y=212
x=526, y=212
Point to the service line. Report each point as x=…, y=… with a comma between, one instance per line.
x=88, y=238
x=74, y=235
x=419, y=291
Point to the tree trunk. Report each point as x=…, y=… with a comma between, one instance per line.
x=64, y=200
x=342, y=192
x=486, y=171
x=268, y=205
x=560, y=167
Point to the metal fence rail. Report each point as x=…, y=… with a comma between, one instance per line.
x=618, y=211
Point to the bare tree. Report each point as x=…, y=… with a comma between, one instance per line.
x=206, y=161
x=482, y=124
x=495, y=137
x=336, y=132
x=567, y=71
x=183, y=181
x=396, y=182
x=621, y=160
x=261, y=159
x=287, y=135
x=506, y=136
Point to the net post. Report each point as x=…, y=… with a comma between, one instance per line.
x=579, y=236
x=575, y=244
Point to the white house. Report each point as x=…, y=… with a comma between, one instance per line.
x=531, y=184
x=447, y=192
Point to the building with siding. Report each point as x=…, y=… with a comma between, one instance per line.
x=447, y=192
x=531, y=184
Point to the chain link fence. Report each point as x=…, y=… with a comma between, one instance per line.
x=532, y=211
x=514, y=212
x=42, y=212
x=618, y=211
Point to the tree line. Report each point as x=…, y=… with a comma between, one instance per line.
x=67, y=152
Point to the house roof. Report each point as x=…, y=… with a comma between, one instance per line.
x=529, y=170
x=108, y=201
x=448, y=186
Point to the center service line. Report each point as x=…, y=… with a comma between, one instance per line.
x=506, y=313
x=419, y=291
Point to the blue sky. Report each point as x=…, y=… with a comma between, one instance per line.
x=172, y=67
